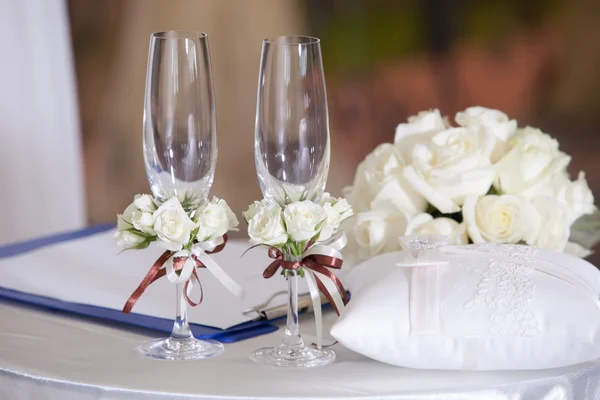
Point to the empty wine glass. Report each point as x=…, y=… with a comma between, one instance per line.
x=180, y=134
x=180, y=153
x=291, y=150
x=292, y=124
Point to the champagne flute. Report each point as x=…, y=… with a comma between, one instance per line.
x=291, y=150
x=180, y=153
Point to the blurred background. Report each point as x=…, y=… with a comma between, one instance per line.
x=536, y=60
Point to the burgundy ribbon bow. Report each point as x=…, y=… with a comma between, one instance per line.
x=315, y=262
x=157, y=271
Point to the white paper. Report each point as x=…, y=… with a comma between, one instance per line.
x=90, y=271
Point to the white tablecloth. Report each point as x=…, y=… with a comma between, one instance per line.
x=52, y=356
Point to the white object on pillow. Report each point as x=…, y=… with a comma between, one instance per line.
x=473, y=307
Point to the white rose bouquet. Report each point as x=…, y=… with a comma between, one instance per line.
x=170, y=225
x=484, y=181
x=187, y=231
x=296, y=226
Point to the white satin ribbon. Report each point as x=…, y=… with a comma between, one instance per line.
x=186, y=271
x=199, y=250
x=331, y=248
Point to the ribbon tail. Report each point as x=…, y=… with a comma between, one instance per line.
x=332, y=286
x=316, y=302
x=271, y=269
x=150, y=277
x=331, y=290
x=221, y=275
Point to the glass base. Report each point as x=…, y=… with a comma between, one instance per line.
x=288, y=356
x=180, y=349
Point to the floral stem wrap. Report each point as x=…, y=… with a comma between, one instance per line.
x=316, y=260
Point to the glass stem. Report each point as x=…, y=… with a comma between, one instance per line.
x=291, y=336
x=181, y=328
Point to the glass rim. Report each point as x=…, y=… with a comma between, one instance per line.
x=179, y=34
x=293, y=40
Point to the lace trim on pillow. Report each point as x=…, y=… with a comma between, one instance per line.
x=507, y=290
x=517, y=252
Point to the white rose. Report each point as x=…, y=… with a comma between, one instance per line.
x=379, y=180
x=493, y=122
x=425, y=224
x=124, y=220
x=337, y=211
x=500, y=219
x=254, y=208
x=554, y=230
x=378, y=231
x=303, y=220
x=172, y=225
x=144, y=202
x=143, y=221
x=577, y=250
x=456, y=163
x=128, y=240
x=532, y=162
x=419, y=128
x=214, y=219
x=575, y=195
x=266, y=226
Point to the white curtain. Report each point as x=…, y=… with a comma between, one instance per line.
x=41, y=173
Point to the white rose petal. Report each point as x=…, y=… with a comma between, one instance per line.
x=501, y=219
x=343, y=208
x=215, y=219
x=124, y=220
x=266, y=226
x=337, y=210
x=532, y=162
x=425, y=224
x=253, y=209
x=172, y=225
x=575, y=195
x=303, y=220
x=378, y=231
x=491, y=121
x=128, y=240
x=143, y=221
x=293, y=192
x=419, y=129
x=554, y=230
x=144, y=202
x=379, y=179
x=454, y=164
x=494, y=121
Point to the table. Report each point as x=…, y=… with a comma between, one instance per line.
x=54, y=356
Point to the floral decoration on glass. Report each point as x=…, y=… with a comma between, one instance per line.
x=189, y=233
x=304, y=239
x=485, y=180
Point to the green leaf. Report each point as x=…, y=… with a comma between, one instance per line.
x=495, y=191
x=586, y=230
x=142, y=245
x=435, y=213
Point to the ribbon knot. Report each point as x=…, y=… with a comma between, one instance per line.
x=316, y=259
x=181, y=266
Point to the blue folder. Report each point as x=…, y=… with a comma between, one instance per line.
x=236, y=333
